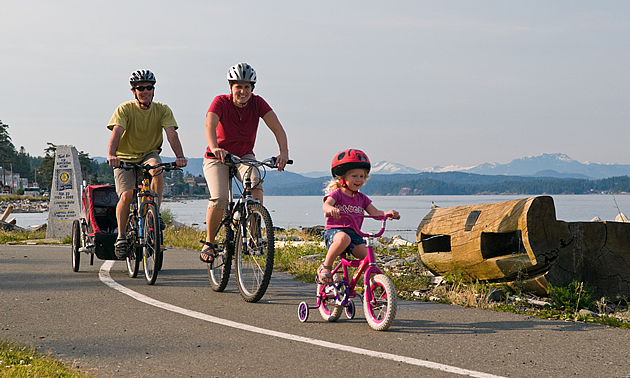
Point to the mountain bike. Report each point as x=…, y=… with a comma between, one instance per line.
x=144, y=234
x=380, y=301
x=246, y=234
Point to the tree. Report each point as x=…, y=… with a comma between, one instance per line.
x=47, y=166
x=7, y=149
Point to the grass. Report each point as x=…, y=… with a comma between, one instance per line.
x=17, y=361
x=22, y=236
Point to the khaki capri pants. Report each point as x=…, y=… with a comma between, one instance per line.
x=218, y=175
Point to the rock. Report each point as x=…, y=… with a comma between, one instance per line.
x=495, y=295
x=314, y=231
x=311, y=258
x=585, y=312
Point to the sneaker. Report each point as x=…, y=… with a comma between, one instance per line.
x=121, y=248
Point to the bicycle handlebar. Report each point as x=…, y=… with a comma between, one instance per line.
x=166, y=166
x=382, y=218
x=270, y=162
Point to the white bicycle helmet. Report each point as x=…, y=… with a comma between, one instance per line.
x=140, y=76
x=242, y=72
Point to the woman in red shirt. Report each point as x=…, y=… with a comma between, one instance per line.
x=231, y=126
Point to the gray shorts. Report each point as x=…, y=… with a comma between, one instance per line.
x=126, y=179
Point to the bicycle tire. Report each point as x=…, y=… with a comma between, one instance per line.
x=76, y=244
x=151, y=250
x=381, y=311
x=224, y=249
x=254, y=261
x=328, y=308
x=133, y=260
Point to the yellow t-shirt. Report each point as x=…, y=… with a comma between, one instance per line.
x=143, y=129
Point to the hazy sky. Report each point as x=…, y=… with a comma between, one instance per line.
x=421, y=83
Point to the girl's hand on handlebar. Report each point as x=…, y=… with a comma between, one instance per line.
x=392, y=214
x=333, y=213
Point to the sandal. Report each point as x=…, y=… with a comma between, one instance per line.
x=324, y=278
x=209, y=252
x=121, y=249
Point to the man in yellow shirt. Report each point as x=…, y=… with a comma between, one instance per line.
x=137, y=137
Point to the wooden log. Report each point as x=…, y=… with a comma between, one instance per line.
x=598, y=255
x=494, y=241
x=7, y=212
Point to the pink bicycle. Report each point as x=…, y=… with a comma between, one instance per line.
x=379, y=296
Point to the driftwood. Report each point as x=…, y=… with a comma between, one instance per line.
x=521, y=240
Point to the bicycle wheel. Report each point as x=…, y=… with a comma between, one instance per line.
x=328, y=308
x=219, y=270
x=151, y=252
x=381, y=311
x=76, y=244
x=133, y=260
x=254, y=253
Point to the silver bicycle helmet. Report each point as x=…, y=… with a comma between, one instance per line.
x=142, y=76
x=242, y=72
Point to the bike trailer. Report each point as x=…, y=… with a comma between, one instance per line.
x=100, y=225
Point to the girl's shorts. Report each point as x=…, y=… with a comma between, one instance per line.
x=330, y=234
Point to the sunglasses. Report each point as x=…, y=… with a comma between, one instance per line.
x=142, y=88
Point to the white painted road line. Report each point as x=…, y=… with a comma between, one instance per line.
x=107, y=279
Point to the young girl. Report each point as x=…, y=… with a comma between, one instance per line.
x=350, y=169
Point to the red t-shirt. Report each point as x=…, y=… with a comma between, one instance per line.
x=236, y=132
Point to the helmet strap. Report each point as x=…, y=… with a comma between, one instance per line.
x=344, y=185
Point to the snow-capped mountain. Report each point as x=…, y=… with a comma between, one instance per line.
x=387, y=168
x=549, y=165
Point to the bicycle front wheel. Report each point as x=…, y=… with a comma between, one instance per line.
x=151, y=253
x=254, y=253
x=133, y=260
x=219, y=270
x=381, y=310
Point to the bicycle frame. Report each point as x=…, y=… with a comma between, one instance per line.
x=247, y=236
x=366, y=267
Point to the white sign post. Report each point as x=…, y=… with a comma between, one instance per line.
x=65, y=198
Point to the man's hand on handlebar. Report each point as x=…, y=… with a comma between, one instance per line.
x=181, y=162
x=113, y=161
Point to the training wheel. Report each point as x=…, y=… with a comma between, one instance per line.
x=303, y=312
x=351, y=309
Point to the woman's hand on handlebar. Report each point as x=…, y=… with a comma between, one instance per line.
x=220, y=153
x=282, y=160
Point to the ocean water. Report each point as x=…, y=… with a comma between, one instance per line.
x=306, y=211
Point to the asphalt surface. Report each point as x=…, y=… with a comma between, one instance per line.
x=179, y=327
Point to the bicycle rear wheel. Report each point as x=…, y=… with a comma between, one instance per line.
x=76, y=244
x=328, y=308
x=381, y=311
x=219, y=270
x=133, y=260
x=151, y=253
x=254, y=253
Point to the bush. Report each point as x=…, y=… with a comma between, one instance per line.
x=573, y=297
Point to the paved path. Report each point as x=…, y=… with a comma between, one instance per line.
x=113, y=326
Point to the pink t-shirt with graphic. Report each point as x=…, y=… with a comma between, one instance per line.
x=353, y=206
